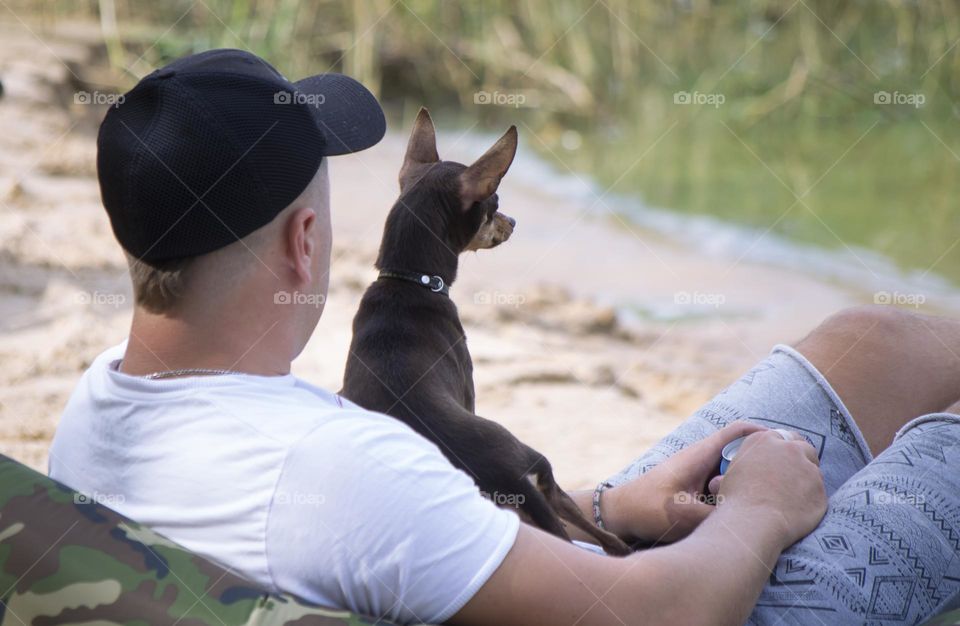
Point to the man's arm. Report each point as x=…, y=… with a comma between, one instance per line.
x=771, y=496
x=712, y=577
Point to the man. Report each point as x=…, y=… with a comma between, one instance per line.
x=213, y=173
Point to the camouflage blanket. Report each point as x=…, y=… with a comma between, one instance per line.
x=67, y=560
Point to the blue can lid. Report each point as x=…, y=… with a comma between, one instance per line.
x=729, y=452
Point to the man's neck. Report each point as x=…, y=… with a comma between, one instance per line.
x=164, y=343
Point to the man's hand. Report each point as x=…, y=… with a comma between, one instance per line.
x=776, y=479
x=667, y=503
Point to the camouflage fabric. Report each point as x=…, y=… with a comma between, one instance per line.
x=951, y=618
x=65, y=560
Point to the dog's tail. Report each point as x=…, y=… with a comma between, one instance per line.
x=568, y=511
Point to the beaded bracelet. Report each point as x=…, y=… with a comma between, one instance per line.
x=603, y=486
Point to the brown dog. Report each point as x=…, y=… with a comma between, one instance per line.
x=409, y=358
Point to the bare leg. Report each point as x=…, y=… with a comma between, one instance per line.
x=887, y=365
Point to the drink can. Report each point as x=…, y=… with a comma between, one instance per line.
x=729, y=452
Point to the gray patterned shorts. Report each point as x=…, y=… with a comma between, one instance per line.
x=888, y=549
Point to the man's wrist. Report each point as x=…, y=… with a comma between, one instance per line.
x=616, y=517
x=613, y=520
x=767, y=525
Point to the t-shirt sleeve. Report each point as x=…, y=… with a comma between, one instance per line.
x=371, y=517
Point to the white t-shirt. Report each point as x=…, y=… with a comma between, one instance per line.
x=287, y=484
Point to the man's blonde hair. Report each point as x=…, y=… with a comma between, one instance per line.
x=157, y=287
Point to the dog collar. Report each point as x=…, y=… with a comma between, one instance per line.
x=433, y=283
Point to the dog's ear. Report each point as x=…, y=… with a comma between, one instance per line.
x=480, y=180
x=422, y=147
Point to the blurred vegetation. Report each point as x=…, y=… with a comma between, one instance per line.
x=578, y=57
x=599, y=81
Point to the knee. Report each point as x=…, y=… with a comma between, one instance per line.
x=859, y=320
x=864, y=324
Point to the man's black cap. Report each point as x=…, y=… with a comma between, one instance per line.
x=213, y=146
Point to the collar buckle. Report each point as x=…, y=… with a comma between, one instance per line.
x=434, y=283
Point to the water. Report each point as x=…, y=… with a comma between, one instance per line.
x=884, y=195
x=869, y=206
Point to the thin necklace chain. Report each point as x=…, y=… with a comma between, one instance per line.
x=188, y=372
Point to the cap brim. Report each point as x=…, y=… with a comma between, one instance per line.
x=347, y=114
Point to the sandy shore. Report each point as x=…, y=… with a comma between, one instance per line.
x=556, y=359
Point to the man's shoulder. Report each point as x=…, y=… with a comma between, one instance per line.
x=278, y=411
x=404, y=532
x=284, y=416
x=319, y=423
x=354, y=430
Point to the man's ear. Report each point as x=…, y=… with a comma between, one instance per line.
x=301, y=246
x=422, y=147
x=480, y=180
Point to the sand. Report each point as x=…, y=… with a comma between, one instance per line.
x=557, y=361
